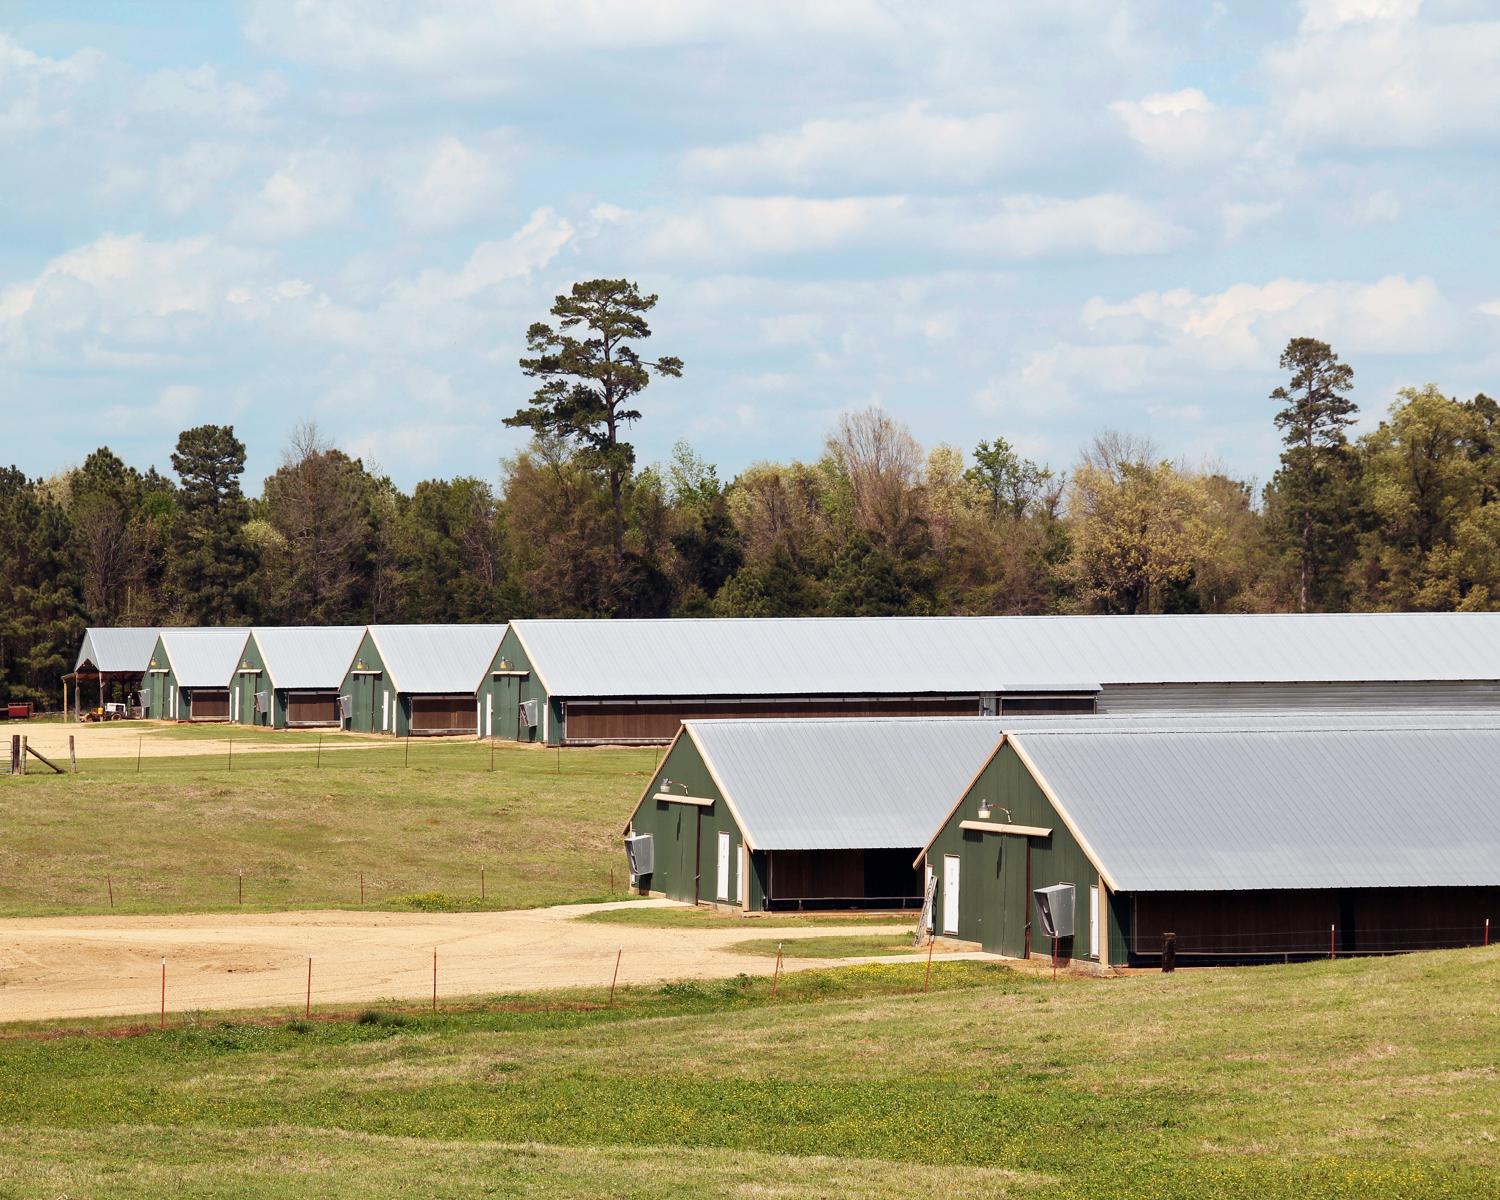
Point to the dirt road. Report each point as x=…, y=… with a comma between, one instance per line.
x=124, y=739
x=53, y=967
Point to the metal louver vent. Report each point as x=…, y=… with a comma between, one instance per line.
x=528, y=713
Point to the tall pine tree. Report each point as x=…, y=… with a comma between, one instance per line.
x=213, y=559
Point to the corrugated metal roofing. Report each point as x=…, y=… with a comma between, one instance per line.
x=124, y=649
x=437, y=659
x=1352, y=800
x=204, y=657
x=903, y=655
x=843, y=783
x=308, y=656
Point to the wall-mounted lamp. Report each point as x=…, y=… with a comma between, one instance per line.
x=984, y=810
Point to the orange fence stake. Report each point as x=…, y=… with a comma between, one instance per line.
x=307, y=1012
x=927, y=982
x=776, y=976
x=434, y=979
x=616, y=977
x=163, y=993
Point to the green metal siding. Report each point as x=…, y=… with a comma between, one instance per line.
x=673, y=827
x=159, y=683
x=514, y=691
x=244, y=713
x=368, y=691
x=994, y=901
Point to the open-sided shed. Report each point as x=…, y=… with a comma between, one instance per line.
x=801, y=814
x=190, y=674
x=421, y=679
x=1240, y=838
x=582, y=682
x=290, y=677
x=113, y=658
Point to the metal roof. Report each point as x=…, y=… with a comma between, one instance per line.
x=904, y=655
x=1322, y=801
x=124, y=650
x=204, y=657
x=437, y=659
x=844, y=783
x=307, y=656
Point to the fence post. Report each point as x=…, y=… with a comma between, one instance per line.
x=481, y=884
x=163, y=992
x=241, y=877
x=319, y=761
x=72, y=754
x=307, y=1012
x=23, y=754
x=927, y=982
x=110, y=883
x=614, y=979
x=15, y=754
x=776, y=976
x=434, y=979
x=361, y=887
x=1330, y=942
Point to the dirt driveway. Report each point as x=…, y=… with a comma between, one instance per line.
x=53, y=967
x=124, y=739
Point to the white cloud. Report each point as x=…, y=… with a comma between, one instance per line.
x=904, y=146
x=36, y=92
x=1183, y=129
x=311, y=191
x=1492, y=309
x=731, y=229
x=1245, y=326
x=439, y=38
x=201, y=95
x=196, y=174
x=174, y=407
x=1369, y=73
x=446, y=183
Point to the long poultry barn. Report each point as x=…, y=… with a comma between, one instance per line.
x=113, y=658
x=190, y=674
x=778, y=814
x=290, y=677
x=421, y=680
x=1238, y=839
x=582, y=682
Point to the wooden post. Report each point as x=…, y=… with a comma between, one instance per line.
x=15, y=754
x=927, y=982
x=163, y=993
x=24, y=748
x=319, y=761
x=615, y=978
x=307, y=1012
x=110, y=884
x=241, y=876
x=72, y=754
x=776, y=976
x=1168, y=953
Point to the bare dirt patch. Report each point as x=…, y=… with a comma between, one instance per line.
x=56, y=967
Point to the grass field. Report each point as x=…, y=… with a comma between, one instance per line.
x=832, y=945
x=1329, y=1080
x=174, y=835
x=709, y=918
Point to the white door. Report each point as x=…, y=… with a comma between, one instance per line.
x=385, y=711
x=723, y=889
x=489, y=714
x=739, y=873
x=950, y=893
x=1094, y=922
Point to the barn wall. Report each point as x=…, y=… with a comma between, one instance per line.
x=250, y=678
x=1126, y=699
x=686, y=836
x=511, y=691
x=367, y=684
x=658, y=721
x=998, y=872
x=1259, y=924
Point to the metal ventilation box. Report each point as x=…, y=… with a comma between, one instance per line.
x=1055, y=907
x=528, y=713
x=641, y=852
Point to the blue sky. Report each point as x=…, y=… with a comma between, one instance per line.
x=1031, y=221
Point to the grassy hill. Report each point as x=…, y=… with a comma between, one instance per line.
x=421, y=822
x=1326, y=1080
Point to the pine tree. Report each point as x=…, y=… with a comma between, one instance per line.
x=213, y=559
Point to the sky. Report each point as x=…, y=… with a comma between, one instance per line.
x=1031, y=221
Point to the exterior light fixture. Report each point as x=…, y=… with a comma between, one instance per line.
x=984, y=810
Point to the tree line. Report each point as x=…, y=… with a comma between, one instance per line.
x=1406, y=516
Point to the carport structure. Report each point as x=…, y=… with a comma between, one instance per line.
x=290, y=677
x=110, y=657
x=802, y=813
x=190, y=674
x=421, y=680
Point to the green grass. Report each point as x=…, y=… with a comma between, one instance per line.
x=1322, y=1081
x=832, y=945
x=173, y=837
x=711, y=918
